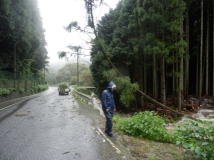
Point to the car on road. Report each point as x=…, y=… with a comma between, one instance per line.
x=64, y=89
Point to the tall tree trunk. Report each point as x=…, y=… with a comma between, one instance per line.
x=163, y=91
x=207, y=49
x=177, y=63
x=77, y=70
x=141, y=83
x=44, y=73
x=187, y=57
x=14, y=59
x=163, y=84
x=173, y=76
x=145, y=75
x=201, y=50
x=14, y=66
x=154, y=77
x=180, y=99
x=197, y=78
x=213, y=52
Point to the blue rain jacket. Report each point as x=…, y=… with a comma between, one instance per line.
x=108, y=98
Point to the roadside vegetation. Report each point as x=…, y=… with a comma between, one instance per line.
x=83, y=90
x=195, y=137
x=23, y=36
x=68, y=75
x=5, y=91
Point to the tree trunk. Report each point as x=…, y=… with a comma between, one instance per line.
x=173, y=76
x=154, y=77
x=187, y=57
x=77, y=71
x=177, y=63
x=207, y=49
x=145, y=75
x=197, y=78
x=201, y=50
x=141, y=83
x=44, y=73
x=14, y=66
x=163, y=85
x=213, y=52
x=180, y=98
x=163, y=91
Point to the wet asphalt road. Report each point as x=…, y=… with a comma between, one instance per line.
x=53, y=127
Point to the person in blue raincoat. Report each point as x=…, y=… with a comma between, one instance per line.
x=108, y=106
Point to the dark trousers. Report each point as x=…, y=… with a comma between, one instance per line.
x=109, y=117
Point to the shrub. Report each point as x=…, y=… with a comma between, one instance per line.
x=145, y=125
x=42, y=87
x=11, y=90
x=21, y=90
x=197, y=138
x=35, y=88
x=84, y=91
x=45, y=87
x=4, y=91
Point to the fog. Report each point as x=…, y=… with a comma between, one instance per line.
x=60, y=63
x=56, y=14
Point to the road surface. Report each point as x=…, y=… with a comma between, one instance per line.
x=52, y=127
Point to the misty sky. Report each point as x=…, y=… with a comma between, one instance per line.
x=57, y=14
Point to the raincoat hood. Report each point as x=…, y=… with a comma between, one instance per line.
x=111, y=85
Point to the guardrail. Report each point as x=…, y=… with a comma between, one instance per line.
x=85, y=98
x=90, y=100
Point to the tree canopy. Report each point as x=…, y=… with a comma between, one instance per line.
x=21, y=33
x=149, y=41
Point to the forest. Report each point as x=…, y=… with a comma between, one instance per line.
x=165, y=48
x=68, y=74
x=22, y=40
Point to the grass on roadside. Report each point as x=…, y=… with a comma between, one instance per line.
x=147, y=137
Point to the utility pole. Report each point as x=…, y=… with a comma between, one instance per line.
x=44, y=72
x=77, y=70
x=14, y=66
x=14, y=59
x=76, y=50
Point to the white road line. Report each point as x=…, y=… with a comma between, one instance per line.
x=112, y=144
x=14, y=104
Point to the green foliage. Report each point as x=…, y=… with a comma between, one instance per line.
x=134, y=30
x=63, y=86
x=197, y=138
x=42, y=87
x=127, y=95
x=86, y=78
x=211, y=116
x=73, y=80
x=145, y=125
x=4, y=91
x=35, y=88
x=11, y=90
x=39, y=88
x=21, y=30
x=21, y=90
x=84, y=91
x=125, y=88
x=70, y=70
